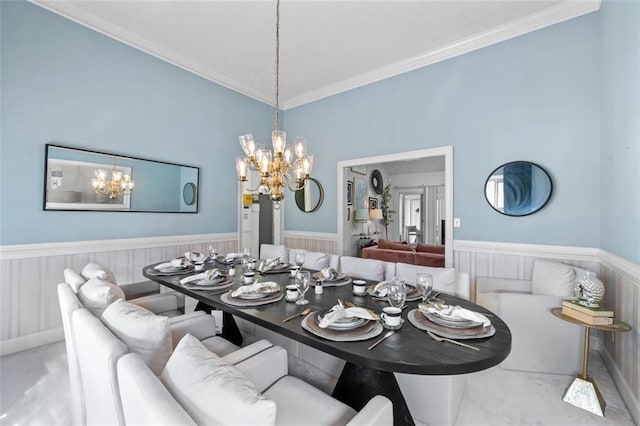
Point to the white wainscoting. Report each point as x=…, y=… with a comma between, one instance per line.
x=312, y=241
x=621, y=351
x=29, y=276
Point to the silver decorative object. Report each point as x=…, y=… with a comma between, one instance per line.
x=589, y=289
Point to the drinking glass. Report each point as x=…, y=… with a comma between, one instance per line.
x=424, y=283
x=397, y=293
x=300, y=258
x=303, y=280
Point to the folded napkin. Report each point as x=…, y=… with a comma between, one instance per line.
x=339, y=312
x=232, y=256
x=268, y=264
x=327, y=274
x=381, y=289
x=456, y=313
x=209, y=274
x=180, y=262
x=195, y=256
x=253, y=288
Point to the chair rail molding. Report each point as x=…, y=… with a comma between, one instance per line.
x=585, y=254
x=324, y=236
x=24, y=251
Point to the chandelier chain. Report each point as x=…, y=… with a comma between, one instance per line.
x=277, y=60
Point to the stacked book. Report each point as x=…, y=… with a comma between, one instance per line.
x=586, y=314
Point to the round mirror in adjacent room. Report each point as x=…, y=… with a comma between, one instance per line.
x=310, y=198
x=376, y=181
x=189, y=193
x=518, y=188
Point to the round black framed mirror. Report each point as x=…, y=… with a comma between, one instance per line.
x=189, y=193
x=310, y=198
x=518, y=188
x=376, y=181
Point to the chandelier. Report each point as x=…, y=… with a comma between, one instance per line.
x=285, y=167
x=120, y=183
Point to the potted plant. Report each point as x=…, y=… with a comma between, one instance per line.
x=387, y=213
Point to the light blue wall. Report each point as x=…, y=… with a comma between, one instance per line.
x=532, y=98
x=66, y=84
x=620, y=22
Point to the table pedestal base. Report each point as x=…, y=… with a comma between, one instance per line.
x=583, y=393
x=357, y=385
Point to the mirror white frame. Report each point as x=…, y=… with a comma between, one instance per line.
x=446, y=151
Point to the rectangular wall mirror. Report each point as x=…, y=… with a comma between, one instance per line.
x=77, y=179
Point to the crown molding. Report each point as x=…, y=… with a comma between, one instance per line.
x=79, y=16
x=553, y=15
x=561, y=12
x=22, y=251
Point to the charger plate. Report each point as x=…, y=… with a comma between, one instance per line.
x=338, y=283
x=413, y=293
x=237, y=301
x=421, y=322
x=220, y=285
x=344, y=323
x=367, y=331
x=169, y=271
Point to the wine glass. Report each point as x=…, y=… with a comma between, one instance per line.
x=424, y=283
x=213, y=252
x=397, y=293
x=303, y=280
x=300, y=258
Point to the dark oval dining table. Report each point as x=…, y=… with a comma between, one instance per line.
x=409, y=350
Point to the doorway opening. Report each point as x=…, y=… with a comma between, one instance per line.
x=422, y=211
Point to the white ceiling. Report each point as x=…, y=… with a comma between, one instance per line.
x=327, y=47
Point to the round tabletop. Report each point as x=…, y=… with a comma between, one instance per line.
x=617, y=326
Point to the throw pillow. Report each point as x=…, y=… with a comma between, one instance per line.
x=95, y=270
x=394, y=245
x=444, y=279
x=212, y=391
x=74, y=279
x=145, y=333
x=552, y=278
x=316, y=260
x=96, y=294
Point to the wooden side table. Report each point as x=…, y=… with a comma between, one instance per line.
x=583, y=392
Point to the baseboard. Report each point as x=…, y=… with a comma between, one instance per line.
x=24, y=251
x=31, y=341
x=633, y=405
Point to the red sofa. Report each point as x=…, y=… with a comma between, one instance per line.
x=401, y=252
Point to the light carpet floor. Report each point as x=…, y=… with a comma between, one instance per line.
x=34, y=390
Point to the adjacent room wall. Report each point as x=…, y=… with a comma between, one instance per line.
x=64, y=83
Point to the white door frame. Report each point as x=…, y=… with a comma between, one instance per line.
x=446, y=151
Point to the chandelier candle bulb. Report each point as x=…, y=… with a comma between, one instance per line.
x=242, y=168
